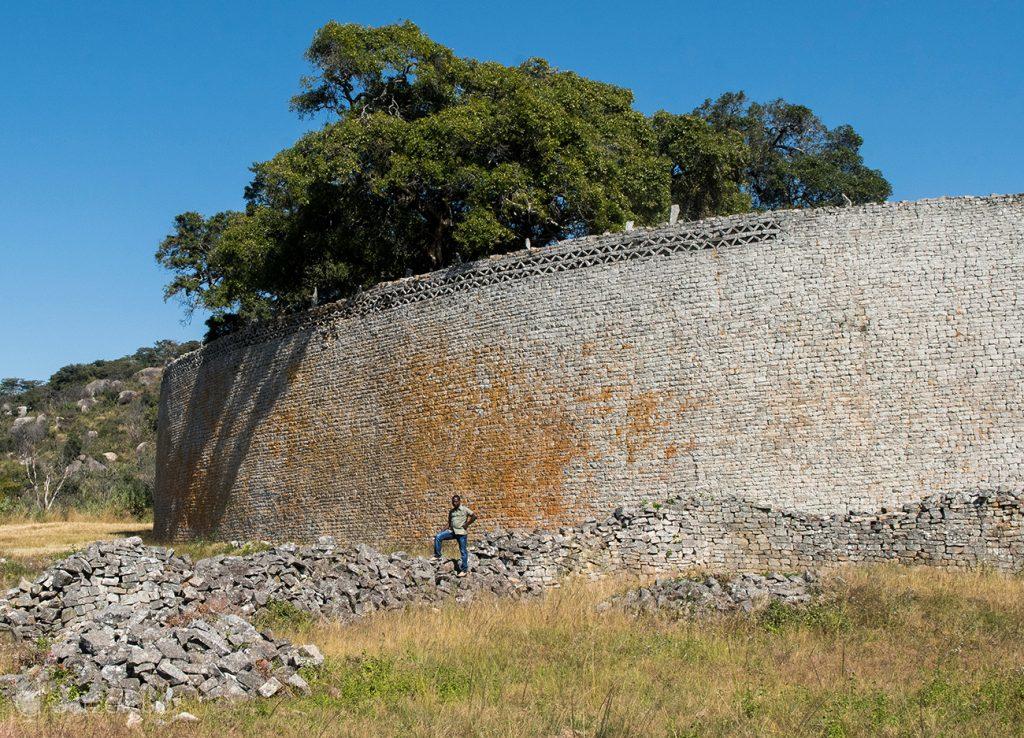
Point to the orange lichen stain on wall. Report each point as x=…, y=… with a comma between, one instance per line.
x=282, y=438
x=477, y=425
x=644, y=423
x=649, y=418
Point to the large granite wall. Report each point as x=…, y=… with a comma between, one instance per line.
x=815, y=361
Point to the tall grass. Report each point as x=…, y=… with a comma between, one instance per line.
x=894, y=651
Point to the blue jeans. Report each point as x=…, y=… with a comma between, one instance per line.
x=447, y=535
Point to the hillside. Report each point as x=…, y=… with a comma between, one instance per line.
x=83, y=439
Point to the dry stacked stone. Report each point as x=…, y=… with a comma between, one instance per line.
x=818, y=360
x=129, y=623
x=745, y=593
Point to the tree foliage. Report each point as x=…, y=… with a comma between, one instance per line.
x=428, y=159
x=11, y=386
x=795, y=160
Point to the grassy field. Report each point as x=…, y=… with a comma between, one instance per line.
x=893, y=651
x=26, y=540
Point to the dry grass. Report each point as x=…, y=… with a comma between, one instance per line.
x=32, y=539
x=896, y=652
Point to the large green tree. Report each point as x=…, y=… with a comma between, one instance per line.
x=428, y=159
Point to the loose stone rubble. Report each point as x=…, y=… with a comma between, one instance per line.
x=130, y=624
x=710, y=595
x=127, y=628
x=127, y=663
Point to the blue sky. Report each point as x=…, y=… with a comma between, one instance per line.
x=114, y=117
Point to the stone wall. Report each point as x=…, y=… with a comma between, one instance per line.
x=812, y=361
x=966, y=529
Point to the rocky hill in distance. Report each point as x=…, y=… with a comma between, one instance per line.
x=83, y=440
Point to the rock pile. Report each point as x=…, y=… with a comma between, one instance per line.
x=709, y=595
x=108, y=608
x=112, y=579
x=344, y=582
x=127, y=625
x=124, y=663
x=130, y=623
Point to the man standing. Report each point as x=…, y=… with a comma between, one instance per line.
x=460, y=518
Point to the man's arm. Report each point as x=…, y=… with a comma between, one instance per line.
x=470, y=520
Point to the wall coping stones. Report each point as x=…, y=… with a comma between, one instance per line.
x=642, y=243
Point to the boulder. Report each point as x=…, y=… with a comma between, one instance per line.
x=149, y=376
x=94, y=466
x=32, y=427
x=22, y=411
x=126, y=396
x=22, y=421
x=110, y=457
x=86, y=404
x=101, y=386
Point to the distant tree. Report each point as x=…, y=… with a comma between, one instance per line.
x=46, y=475
x=11, y=386
x=794, y=159
x=161, y=352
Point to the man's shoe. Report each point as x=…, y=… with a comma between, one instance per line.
x=462, y=573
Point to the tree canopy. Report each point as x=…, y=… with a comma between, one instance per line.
x=793, y=159
x=429, y=159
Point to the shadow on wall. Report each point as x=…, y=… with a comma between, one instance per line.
x=232, y=392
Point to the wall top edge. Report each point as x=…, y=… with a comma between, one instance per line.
x=742, y=229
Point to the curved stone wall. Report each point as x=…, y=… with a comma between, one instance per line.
x=815, y=361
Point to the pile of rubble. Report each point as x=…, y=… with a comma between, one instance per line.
x=125, y=664
x=711, y=595
x=131, y=624
x=111, y=579
x=127, y=625
x=345, y=582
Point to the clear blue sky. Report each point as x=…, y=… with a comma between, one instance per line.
x=114, y=117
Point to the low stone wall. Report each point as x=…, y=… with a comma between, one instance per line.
x=983, y=528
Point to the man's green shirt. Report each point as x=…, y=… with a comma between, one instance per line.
x=457, y=519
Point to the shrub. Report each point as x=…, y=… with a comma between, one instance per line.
x=131, y=495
